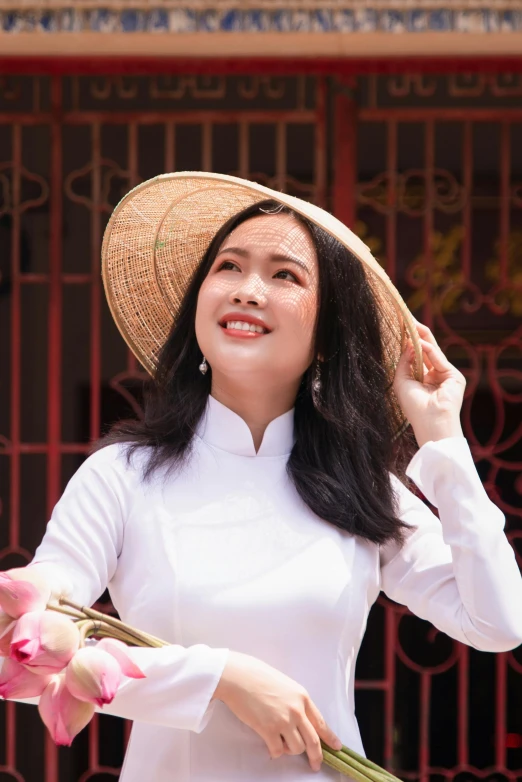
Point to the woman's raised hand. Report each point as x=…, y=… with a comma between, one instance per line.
x=276, y=707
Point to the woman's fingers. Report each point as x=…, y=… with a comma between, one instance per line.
x=276, y=707
x=311, y=743
x=294, y=741
x=319, y=723
x=426, y=363
x=274, y=742
x=436, y=356
x=434, y=353
x=304, y=736
x=427, y=339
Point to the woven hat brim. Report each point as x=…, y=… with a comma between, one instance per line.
x=159, y=232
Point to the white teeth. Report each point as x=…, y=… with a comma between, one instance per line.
x=242, y=326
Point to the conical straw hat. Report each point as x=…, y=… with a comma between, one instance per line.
x=159, y=232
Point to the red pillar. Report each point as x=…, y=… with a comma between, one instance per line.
x=344, y=152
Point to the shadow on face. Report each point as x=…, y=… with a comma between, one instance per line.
x=266, y=269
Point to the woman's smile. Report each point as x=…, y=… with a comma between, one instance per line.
x=243, y=326
x=242, y=331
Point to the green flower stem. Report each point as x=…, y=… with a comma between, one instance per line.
x=340, y=765
x=369, y=763
x=355, y=765
x=90, y=613
x=66, y=611
x=91, y=627
x=111, y=632
x=86, y=628
x=361, y=764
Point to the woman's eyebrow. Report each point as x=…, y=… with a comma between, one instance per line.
x=277, y=257
x=236, y=250
x=291, y=259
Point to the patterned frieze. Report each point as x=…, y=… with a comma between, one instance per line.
x=249, y=5
x=164, y=17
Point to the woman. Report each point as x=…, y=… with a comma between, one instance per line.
x=255, y=512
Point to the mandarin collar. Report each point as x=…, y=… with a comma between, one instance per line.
x=221, y=428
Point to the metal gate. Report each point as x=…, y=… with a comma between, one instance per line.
x=429, y=171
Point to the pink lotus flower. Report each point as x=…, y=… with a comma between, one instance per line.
x=44, y=641
x=16, y=681
x=93, y=675
x=63, y=715
x=119, y=651
x=7, y=625
x=95, y=672
x=22, y=590
x=5, y=641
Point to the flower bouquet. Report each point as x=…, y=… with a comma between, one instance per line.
x=73, y=658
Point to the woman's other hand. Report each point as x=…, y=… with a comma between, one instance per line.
x=276, y=707
x=432, y=406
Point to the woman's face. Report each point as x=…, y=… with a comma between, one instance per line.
x=265, y=274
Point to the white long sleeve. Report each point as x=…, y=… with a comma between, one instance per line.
x=458, y=572
x=79, y=555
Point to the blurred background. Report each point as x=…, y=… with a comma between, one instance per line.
x=405, y=120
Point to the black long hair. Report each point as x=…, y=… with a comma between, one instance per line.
x=344, y=447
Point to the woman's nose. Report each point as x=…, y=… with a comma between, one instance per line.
x=250, y=291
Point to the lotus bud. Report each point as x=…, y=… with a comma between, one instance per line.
x=32, y=574
x=119, y=651
x=17, y=681
x=44, y=641
x=7, y=625
x=63, y=715
x=93, y=675
x=22, y=590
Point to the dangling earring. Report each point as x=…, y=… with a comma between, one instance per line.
x=316, y=382
x=203, y=366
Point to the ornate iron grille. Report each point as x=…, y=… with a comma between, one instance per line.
x=437, y=196
x=429, y=170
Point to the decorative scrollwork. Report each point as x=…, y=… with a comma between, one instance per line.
x=110, y=171
x=14, y=556
x=444, y=272
x=454, y=292
x=466, y=85
x=500, y=85
x=447, y=649
x=442, y=90
x=118, y=384
x=413, y=192
x=411, y=84
x=505, y=84
x=505, y=296
x=8, y=201
x=197, y=87
x=113, y=86
x=251, y=86
x=9, y=773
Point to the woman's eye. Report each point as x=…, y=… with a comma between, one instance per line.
x=226, y=264
x=285, y=271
